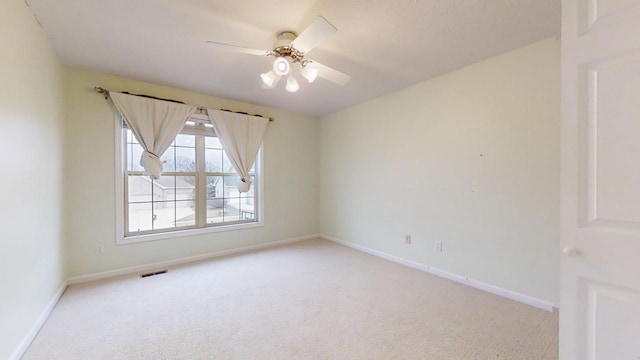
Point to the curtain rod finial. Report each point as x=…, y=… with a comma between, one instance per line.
x=101, y=90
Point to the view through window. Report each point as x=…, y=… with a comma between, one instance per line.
x=197, y=189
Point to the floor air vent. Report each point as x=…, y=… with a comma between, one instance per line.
x=154, y=273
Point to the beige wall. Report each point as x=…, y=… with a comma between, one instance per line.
x=31, y=124
x=290, y=178
x=470, y=158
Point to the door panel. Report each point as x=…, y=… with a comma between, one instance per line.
x=614, y=130
x=600, y=273
x=596, y=13
x=613, y=322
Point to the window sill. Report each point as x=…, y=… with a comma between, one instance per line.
x=183, y=233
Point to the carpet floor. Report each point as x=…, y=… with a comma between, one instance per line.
x=308, y=300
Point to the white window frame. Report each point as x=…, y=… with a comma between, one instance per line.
x=120, y=172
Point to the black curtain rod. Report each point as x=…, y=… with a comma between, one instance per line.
x=105, y=92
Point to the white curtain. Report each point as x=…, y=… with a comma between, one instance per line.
x=155, y=124
x=241, y=136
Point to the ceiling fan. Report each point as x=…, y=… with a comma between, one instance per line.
x=289, y=52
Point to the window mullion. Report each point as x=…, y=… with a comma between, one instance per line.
x=201, y=183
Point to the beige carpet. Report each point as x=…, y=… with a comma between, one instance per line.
x=310, y=300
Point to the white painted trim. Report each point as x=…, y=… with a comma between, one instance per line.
x=259, y=164
x=119, y=175
x=184, y=260
x=28, y=338
x=526, y=299
x=184, y=233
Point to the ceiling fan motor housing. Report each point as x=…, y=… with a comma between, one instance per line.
x=283, y=48
x=285, y=38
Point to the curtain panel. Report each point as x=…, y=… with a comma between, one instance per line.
x=154, y=123
x=241, y=137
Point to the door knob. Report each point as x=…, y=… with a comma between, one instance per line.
x=570, y=251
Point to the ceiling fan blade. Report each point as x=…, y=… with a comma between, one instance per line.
x=319, y=30
x=238, y=49
x=331, y=74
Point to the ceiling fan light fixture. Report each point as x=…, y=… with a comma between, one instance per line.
x=288, y=57
x=292, y=84
x=269, y=78
x=309, y=72
x=281, y=66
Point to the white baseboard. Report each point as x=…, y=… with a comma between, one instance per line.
x=19, y=351
x=174, y=262
x=526, y=299
x=28, y=339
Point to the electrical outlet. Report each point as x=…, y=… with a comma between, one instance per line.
x=438, y=247
x=99, y=249
x=407, y=239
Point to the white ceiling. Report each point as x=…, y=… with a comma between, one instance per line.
x=384, y=45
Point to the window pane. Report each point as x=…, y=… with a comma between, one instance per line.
x=215, y=200
x=185, y=213
x=170, y=188
x=164, y=188
x=163, y=214
x=185, y=159
x=130, y=137
x=226, y=164
x=169, y=160
x=140, y=217
x=211, y=142
x=215, y=214
x=185, y=187
x=247, y=202
x=139, y=188
x=169, y=214
x=215, y=187
x=232, y=209
x=225, y=210
x=231, y=185
x=134, y=152
x=185, y=141
x=213, y=160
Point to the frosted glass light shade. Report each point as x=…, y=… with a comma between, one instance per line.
x=281, y=66
x=310, y=73
x=268, y=78
x=292, y=84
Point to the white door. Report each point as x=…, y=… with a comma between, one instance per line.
x=600, y=283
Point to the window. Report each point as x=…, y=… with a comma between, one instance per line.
x=197, y=191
